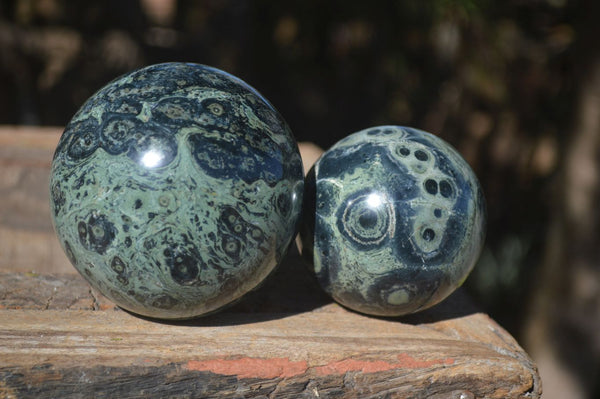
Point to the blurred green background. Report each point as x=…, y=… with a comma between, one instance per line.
x=514, y=85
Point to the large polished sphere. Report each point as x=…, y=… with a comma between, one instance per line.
x=176, y=189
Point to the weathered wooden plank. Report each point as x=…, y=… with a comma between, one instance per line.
x=57, y=344
x=53, y=353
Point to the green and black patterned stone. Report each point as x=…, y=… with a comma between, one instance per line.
x=176, y=189
x=398, y=220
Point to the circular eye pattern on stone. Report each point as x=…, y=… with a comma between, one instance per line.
x=216, y=109
x=83, y=145
x=421, y=155
x=183, y=266
x=428, y=234
x=431, y=186
x=83, y=139
x=116, y=134
x=403, y=151
x=446, y=189
x=366, y=220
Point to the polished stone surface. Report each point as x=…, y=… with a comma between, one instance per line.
x=394, y=220
x=176, y=189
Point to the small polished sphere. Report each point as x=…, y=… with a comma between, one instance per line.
x=175, y=190
x=394, y=220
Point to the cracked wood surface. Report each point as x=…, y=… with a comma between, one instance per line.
x=60, y=338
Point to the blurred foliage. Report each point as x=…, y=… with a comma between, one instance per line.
x=497, y=79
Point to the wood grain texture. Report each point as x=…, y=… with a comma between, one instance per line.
x=60, y=338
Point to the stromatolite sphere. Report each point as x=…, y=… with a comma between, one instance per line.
x=398, y=220
x=176, y=189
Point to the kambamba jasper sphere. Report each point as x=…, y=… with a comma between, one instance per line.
x=394, y=220
x=176, y=189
